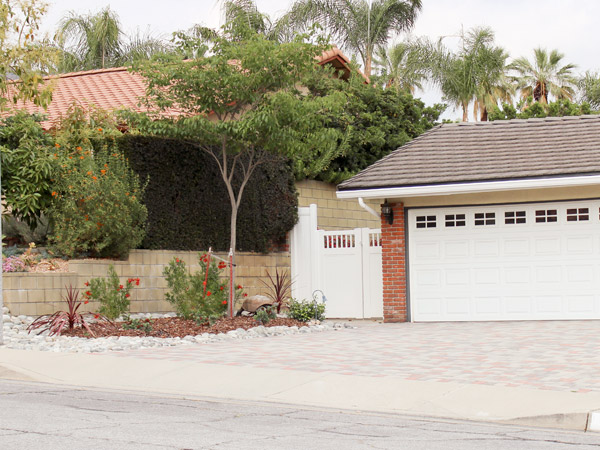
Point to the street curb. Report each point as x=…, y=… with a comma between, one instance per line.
x=569, y=421
x=593, y=423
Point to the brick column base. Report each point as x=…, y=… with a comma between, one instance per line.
x=394, y=266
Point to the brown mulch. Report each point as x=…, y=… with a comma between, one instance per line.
x=177, y=327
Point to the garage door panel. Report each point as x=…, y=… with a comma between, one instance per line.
x=544, y=267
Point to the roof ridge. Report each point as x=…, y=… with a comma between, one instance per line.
x=520, y=121
x=87, y=72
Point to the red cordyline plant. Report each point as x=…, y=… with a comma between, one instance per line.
x=61, y=320
x=280, y=288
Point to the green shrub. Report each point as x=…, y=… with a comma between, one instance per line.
x=306, y=310
x=196, y=295
x=185, y=194
x=265, y=315
x=96, y=207
x=28, y=167
x=112, y=295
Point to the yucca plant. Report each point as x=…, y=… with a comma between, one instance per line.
x=61, y=320
x=280, y=288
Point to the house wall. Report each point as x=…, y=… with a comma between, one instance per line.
x=333, y=213
x=40, y=293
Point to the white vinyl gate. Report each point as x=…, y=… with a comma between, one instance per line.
x=345, y=265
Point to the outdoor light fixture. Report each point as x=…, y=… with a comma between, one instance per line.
x=387, y=212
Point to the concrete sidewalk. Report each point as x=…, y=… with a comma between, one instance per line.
x=389, y=394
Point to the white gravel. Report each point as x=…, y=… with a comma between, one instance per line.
x=17, y=337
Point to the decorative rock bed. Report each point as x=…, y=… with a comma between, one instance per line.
x=17, y=337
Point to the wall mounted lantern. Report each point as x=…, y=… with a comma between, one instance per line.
x=387, y=212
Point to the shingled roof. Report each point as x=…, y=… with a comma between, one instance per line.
x=489, y=151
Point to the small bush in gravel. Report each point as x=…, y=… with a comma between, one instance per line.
x=65, y=320
x=112, y=295
x=306, y=310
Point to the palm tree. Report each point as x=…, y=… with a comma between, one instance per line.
x=475, y=73
x=401, y=66
x=96, y=41
x=544, y=76
x=355, y=25
x=246, y=11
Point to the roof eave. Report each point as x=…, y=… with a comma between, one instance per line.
x=469, y=188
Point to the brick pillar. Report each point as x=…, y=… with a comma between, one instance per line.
x=394, y=267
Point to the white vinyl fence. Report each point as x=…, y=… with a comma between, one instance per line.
x=345, y=265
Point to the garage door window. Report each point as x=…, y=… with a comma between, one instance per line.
x=578, y=214
x=513, y=217
x=546, y=215
x=485, y=218
x=426, y=222
x=455, y=220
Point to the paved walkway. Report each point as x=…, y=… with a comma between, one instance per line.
x=560, y=356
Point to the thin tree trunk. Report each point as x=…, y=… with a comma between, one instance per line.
x=368, y=64
x=465, y=107
x=484, y=114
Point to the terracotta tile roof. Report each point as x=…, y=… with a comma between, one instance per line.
x=109, y=89
x=486, y=151
x=117, y=88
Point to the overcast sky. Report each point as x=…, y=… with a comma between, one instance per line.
x=520, y=26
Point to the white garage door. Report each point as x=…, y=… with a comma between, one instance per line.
x=509, y=262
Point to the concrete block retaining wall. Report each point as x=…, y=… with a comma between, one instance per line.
x=41, y=293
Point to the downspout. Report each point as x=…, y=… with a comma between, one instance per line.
x=367, y=208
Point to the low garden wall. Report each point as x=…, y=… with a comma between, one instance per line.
x=41, y=293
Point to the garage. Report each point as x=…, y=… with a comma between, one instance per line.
x=490, y=221
x=537, y=261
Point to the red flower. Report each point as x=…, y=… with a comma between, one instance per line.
x=245, y=295
x=222, y=265
x=120, y=287
x=208, y=293
x=204, y=283
x=224, y=302
x=239, y=286
x=127, y=295
x=130, y=280
x=86, y=302
x=96, y=316
x=88, y=293
x=177, y=260
x=137, y=281
x=87, y=283
x=221, y=288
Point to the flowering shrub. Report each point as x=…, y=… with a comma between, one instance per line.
x=112, y=295
x=306, y=310
x=201, y=296
x=96, y=197
x=13, y=264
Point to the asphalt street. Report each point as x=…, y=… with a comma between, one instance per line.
x=44, y=416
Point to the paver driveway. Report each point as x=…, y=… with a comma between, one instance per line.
x=562, y=356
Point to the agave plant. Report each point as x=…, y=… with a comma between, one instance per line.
x=61, y=320
x=280, y=288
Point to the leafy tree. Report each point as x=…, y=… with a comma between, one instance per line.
x=379, y=121
x=544, y=76
x=527, y=109
x=240, y=104
x=96, y=41
x=589, y=89
x=359, y=26
x=476, y=73
x=21, y=56
x=28, y=167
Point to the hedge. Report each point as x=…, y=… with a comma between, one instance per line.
x=188, y=205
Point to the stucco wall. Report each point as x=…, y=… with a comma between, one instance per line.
x=40, y=293
x=335, y=214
